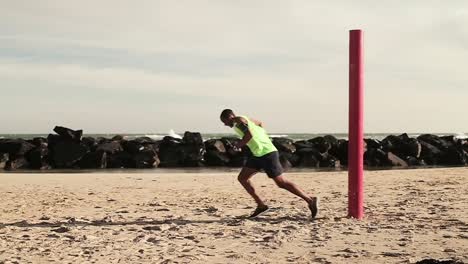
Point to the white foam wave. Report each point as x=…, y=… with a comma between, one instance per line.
x=173, y=134
x=461, y=136
x=155, y=137
x=278, y=136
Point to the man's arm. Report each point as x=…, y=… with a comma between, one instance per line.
x=242, y=124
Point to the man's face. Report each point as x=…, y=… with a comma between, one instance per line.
x=229, y=121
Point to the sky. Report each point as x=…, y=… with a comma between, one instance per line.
x=151, y=66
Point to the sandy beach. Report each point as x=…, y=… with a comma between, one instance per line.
x=200, y=218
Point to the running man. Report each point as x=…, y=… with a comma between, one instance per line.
x=265, y=157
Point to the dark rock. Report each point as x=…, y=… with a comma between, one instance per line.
x=342, y=152
x=215, y=145
x=93, y=160
x=300, y=144
x=144, y=140
x=90, y=142
x=216, y=158
x=38, y=157
x=147, y=158
x=192, y=138
x=67, y=133
x=292, y=158
x=17, y=163
x=110, y=147
x=395, y=160
x=3, y=160
x=430, y=154
x=120, y=160
x=328, y=161
x=53, y=139
x=117, y=138
x=402, y=145
x=171, y=152
x=193, y=155
x=371, y=143
x=132, y=146
x=321, y=144
x=66, y=153
x=39, y=141
x=284, y=144
x=376, y=157
x=15, y=147
x=309, y=157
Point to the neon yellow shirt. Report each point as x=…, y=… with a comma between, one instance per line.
x=260, y=143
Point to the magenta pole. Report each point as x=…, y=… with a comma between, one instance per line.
x=355, y=129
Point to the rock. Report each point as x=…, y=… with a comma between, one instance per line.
x=39, y=141
x=90, y=142
x=430, y=154
x=117, y=138
x=309, y=157
x=192, y=138
x=111, y=147
x=289, y=159
x=66, y=154
x=38, y=157
x=67, y=133
x=171, y=152
x=395, y=160
x=15, y=147
x=328, y=161
x=342, y=152
x=3, y=160
x=93, y=160
x=402, y=146
x=321, y=144
x=215, y=145
x=120, y=160
x=144, y=140
x=147, y=158
x=215, y=158
x=375, y=157
x=284, y=145
x=17, y=163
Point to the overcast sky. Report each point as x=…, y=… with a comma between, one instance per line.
x=151, y=66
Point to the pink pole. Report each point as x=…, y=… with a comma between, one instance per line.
x=356, y=120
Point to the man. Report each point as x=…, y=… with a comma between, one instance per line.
x=265, y=157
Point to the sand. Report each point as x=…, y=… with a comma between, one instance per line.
x=199, y=218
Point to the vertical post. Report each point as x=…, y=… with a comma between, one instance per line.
x=356, y=120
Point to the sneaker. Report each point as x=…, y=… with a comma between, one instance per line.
x=258, y=211
x=313, y=206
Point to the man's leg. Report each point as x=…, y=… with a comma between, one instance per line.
x=244, y=179
x=286, y=184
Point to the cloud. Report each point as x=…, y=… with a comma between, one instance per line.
x=281, y=61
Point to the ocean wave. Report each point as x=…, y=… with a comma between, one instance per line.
x=279, y=136
x=174, y=134
x=461, y=136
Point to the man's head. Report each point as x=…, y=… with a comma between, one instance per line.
x=227, y=117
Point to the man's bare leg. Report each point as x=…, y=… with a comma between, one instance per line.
x=286, y=184
x=244, y=179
